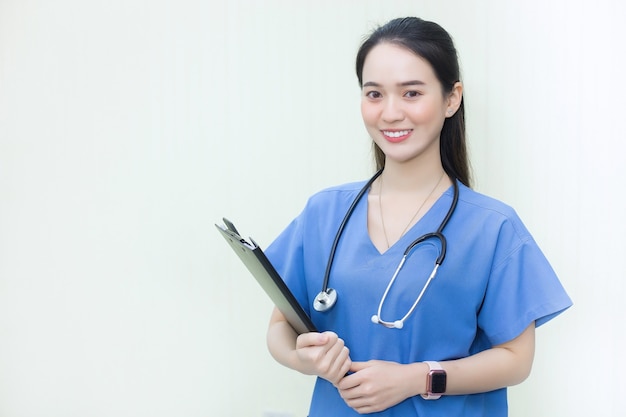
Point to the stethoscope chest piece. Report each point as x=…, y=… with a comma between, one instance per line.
x=325, y=300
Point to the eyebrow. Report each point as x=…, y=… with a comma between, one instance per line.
x=402, y=84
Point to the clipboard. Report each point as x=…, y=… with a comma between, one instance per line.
x=266, y=275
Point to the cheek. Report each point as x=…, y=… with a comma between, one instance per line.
x=368, y=113
x=430, y=113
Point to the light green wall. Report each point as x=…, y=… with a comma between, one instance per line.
x=127, y=128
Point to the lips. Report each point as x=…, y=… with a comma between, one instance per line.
x=396, y=136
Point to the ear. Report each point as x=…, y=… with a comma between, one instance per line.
x=454, y=99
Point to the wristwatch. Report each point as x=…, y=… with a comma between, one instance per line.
x=435, y=381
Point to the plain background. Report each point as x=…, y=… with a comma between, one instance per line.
x=129, y=127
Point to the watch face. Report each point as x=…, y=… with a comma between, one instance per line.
x=438, y=382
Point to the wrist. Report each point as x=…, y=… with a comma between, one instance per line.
x=418, y=375
x=436, y=381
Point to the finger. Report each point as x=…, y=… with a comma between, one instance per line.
x=312, y=339
x=331, y=336
x=347, y=363
x=352, y=396
x=359, y=366
x=341, y=365
x=330, y=362
x=349, y=382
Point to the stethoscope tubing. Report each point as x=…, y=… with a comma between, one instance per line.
x=438, y=233
x=399, y=324
x=333, y=248
x=327, y=297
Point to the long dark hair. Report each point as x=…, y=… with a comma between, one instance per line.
x=431, y=42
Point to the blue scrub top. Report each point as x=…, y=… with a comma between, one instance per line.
x=493, y=283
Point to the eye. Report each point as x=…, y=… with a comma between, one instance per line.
x=412, y=94
x=373, y=95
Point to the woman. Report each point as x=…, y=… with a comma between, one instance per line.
x=400, y=343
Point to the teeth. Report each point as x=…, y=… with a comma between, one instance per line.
x=396, y=134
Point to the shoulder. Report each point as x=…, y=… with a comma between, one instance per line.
x=350, y=187
x=482, y=201
x=321, y=214
x=338, y=195
x=484, y=209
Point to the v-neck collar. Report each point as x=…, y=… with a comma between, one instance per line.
x=430, y=220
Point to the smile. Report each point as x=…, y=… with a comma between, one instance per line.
x=396, y=135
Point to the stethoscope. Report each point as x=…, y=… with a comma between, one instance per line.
x=327, y=298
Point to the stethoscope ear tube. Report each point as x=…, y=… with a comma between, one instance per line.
x=427, y=236
x=327, y=298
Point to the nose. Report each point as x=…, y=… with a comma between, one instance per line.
x=392, y=110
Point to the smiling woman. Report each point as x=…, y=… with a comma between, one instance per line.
x=403, y=103
x=127, y=127
x=433, y=67
x=461, y=338
x=404, y=107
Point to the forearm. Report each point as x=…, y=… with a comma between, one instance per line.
x=501, y=366
x=486, y=371
x=281, y=341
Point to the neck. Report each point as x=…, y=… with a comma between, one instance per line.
x=413, y=177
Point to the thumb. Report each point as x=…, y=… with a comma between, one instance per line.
x=313, y=339
x=358, y=366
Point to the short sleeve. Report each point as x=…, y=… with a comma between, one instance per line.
x=522, y=288
x=287, y=256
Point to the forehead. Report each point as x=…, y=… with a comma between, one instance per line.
x=387, y=62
